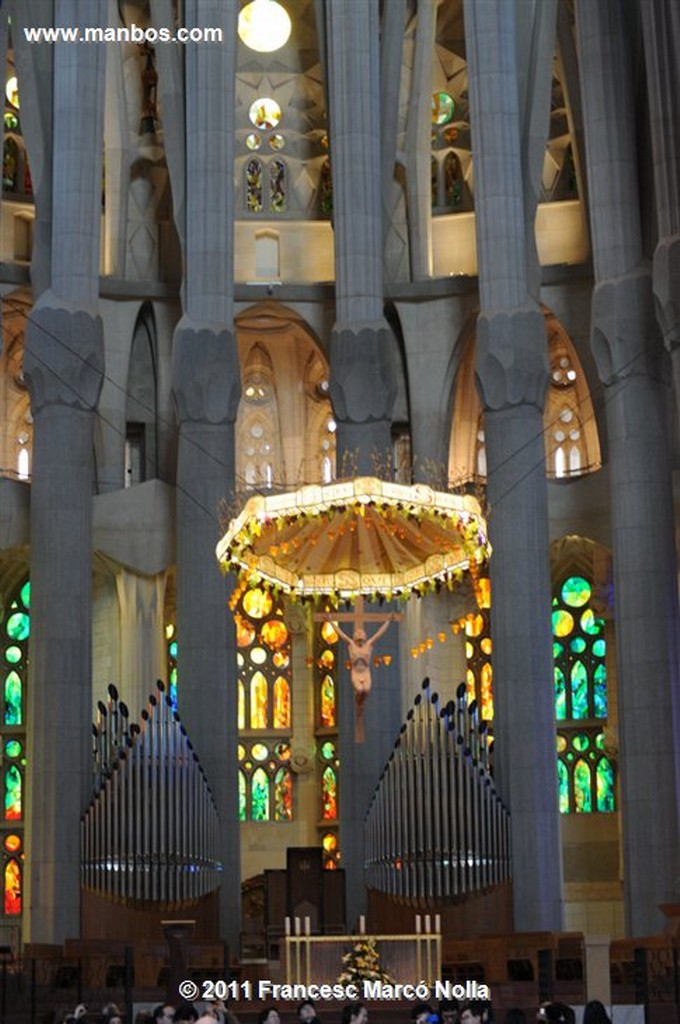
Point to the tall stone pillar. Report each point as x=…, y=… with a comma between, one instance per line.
x=630, y=362
x=206, y=389
x=362, y=382
x=63, y=365
x=362, y=379
x=512, y=370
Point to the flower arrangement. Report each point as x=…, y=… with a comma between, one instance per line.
x=362, y=963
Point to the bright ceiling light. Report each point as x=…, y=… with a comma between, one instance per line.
x=264, y=25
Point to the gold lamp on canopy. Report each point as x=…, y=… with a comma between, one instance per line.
x=357, y=537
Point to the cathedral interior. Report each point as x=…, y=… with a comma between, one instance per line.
x=432, y=243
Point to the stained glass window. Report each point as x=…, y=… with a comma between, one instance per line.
x=15, y=630
x=478, y=648
x=277, y=186
x=325, y=667
x=264, y=706
x=326, y=189
x=171, y=652
x=586, y=781
x=453, y=181
x=254, y=185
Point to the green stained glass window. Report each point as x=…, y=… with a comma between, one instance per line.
x=241, y=796
x=13, y=748
x=259, y=751
x=576, y=591
x=328, y=750
x=604, y=776
x=25, y=594
x=328, y=701
x=13, y=808
x=13, y=655
x=579, y=690
x=600, y=691
x=563, y=786
x=283, y=795
x=580, y=682
x=18, y=626
x=582, y=786
x=13, y=699
x=560, y=694
x=259, y=784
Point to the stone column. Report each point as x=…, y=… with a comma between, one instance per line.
x=630, y=362
x=512, y=370
x=362, y=383
x=63, y=364
x=142, y=643
x=206, y=388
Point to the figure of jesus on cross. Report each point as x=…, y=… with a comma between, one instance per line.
x=360, y=650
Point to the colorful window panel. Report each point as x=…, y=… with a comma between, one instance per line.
x=586, y=777
x=585, y=774
x=478, y=649
x=453, y=181
x=331, y=850
x=329, y=780
x=15, y=632
x=264, y=663
x=325, y=675
x=171, y=641
x=326, y=189
x=254, y=185
x=265, y=782
x=277, y=186
x=579, y=650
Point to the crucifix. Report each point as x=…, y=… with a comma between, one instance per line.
x=360, y=650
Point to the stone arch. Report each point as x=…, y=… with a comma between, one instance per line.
x=141, y=419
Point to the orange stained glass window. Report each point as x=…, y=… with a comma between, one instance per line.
x=327, y=701
x=245, y=631
x=12, y=843
x=274, y=634
x=258, y=701
x=281, y=703
x=487, y=691
x=12, y=903
x=328, y=633
x=329, y=795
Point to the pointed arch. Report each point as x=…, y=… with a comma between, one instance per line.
x=141, y=405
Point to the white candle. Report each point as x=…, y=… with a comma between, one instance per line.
x=437, y=923
x=417, y=924
x=427, y=924
x=308, y=926
x=362, y=925
x=297, y=925
x=287, y=925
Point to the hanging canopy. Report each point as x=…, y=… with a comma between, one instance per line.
x=363, y=536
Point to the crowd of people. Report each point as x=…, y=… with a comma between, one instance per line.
x=447, y=1011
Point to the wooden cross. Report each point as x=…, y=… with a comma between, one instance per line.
x=360, y=653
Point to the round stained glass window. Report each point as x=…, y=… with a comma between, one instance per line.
x=578, y=645
x=13, y=655
x=562, y=623
x=474, y=625
x=328, y=750
x=12, y=843
x=258, y=655
x=241, y=751
x=443, y=107
x=329, y=842
x=486, y=645
x=264, y=113
x=580, y=742
x=274, y=633
x=328, y=633
x=253, y=140
x=599, y=648
x=240, y=661
x=13, y=748
x=257, y=603
x=11, y=121
x=576, y=591
x=260, y=752
x=12, y=91
x=561, y=744
x=277, y=141
x=282, y=751
x=18, y=626
x=281, y=659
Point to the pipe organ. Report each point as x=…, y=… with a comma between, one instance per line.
x=436, y=828
x=151, y=830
